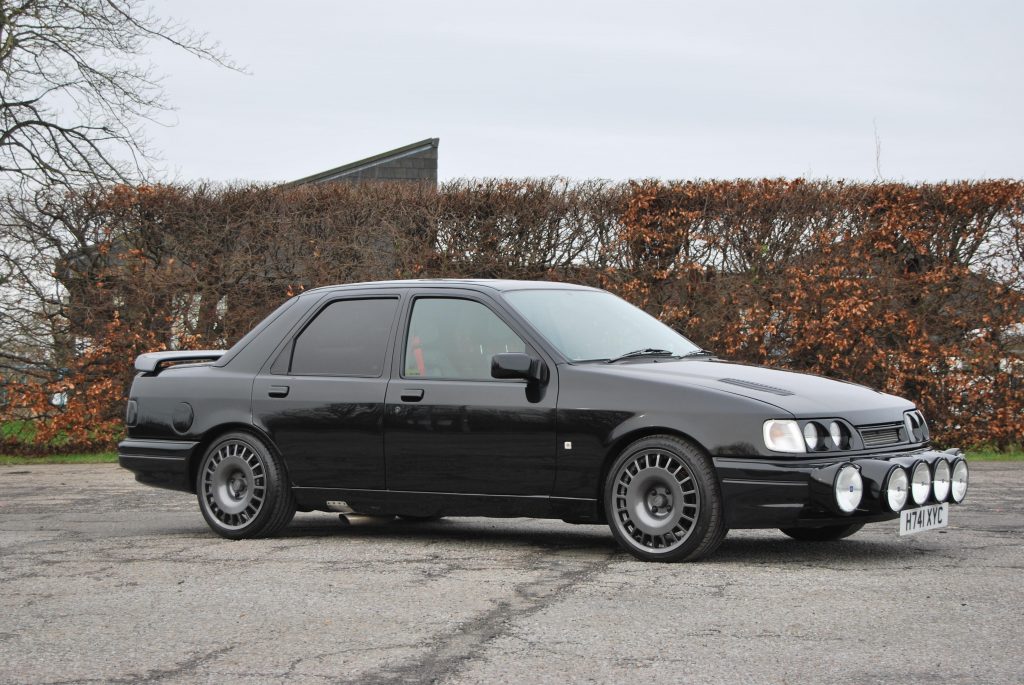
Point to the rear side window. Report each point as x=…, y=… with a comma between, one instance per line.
x=347, y=338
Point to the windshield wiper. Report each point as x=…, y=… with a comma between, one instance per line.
x=646, y=352
x=698, y=353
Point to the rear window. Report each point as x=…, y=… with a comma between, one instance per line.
x=347, y=338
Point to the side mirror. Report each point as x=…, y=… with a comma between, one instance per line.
x=518, y=365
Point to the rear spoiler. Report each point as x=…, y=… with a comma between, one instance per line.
x=153, y=362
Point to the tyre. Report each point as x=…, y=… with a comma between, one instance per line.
x=662, y=500
x=242, y=488
x=824, y=534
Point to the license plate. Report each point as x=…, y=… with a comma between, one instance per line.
x=925, y=518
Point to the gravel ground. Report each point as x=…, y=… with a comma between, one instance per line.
x=105, y=580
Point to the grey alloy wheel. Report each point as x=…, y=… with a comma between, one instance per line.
x=662, y=500
x=234, y=482
x=243, y=489
x=656, y=501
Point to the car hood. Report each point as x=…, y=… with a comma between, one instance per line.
x=800, y=394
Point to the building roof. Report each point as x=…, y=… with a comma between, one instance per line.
x=357, y=170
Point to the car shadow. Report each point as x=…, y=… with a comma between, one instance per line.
x=747, y=547
x=501, y=531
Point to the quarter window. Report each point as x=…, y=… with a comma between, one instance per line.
x=347, y=338
x=455, y=339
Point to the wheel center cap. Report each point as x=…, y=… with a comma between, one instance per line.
x=237, y=486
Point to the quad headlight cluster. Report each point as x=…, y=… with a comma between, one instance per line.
x=785, y=435
x=893, y=487
x=831, y=435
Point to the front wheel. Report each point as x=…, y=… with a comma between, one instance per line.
x=242, y=488
x=662, y=500
x=824, y=534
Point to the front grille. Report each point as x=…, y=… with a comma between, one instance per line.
x=880, y=436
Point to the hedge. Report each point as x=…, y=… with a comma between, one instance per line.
x=912, y=289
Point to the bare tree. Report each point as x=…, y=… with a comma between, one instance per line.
x=76, y=86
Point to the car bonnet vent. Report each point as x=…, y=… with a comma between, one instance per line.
x=756, y=386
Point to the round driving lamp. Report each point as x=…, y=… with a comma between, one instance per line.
x=920, y=483
x=896, y=489
x=849, y=488
x=958, y=481
x=940, y=480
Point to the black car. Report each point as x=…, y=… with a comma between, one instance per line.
x=425, y=399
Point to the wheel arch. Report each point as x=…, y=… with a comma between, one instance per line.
x=220, y=430
x=621, y=442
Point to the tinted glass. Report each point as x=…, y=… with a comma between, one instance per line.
x=348, y=338
x=455, y=339
x=592, y=324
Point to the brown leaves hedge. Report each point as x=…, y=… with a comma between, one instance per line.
x=912, y=289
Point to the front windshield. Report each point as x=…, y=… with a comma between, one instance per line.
x=588, y=325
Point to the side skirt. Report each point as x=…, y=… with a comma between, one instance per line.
x=385, y=502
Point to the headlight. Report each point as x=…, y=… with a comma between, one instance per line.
x=839, y=434
x=813, y=436
x=849, y=488
x=958, y=482
x=920, y=483
x=895, y=491
x=783, y=435
x=940, y=480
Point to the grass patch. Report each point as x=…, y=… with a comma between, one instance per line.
x=94, y=458
x=994, y=455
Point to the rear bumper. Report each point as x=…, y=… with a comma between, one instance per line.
x=160, y=463
x=780, y=493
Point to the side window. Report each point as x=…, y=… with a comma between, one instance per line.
x=455, y=339
x=347, y=338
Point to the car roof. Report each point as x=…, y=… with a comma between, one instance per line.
x=492, y=283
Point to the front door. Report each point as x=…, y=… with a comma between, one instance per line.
x=450, y=426
x=321, y=399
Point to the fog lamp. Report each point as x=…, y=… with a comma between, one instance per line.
x=940, y=480
x=895, y=490
x=958, y=486
x=849, y=488
x=920, y=483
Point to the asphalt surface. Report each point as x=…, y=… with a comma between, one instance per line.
x=105, y=580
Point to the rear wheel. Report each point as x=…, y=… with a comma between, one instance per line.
x=242, y=488
x=824, y=534
x=662, y=500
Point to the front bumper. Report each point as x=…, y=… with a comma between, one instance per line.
x=161, y=463
x=781, y=493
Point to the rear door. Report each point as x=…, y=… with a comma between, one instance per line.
x=321, y=396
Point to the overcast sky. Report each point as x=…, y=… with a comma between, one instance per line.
x=602, y=89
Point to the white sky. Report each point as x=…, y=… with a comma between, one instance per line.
x=602, y=89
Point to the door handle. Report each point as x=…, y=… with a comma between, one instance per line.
x=412, y=395
x=278, y=391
